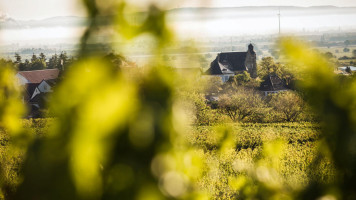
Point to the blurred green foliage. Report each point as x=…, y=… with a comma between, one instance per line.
x=14, y=139
x=334, y=100
x=116, y=136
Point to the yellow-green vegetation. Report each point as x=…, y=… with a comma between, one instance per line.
x=11, y=161
x=119, y=136
x=283, y=151
x=225, y=171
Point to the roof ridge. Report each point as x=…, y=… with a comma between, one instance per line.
x=38, y=70
x=234, y=52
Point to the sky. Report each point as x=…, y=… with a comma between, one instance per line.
x=40, y=9
x=267, y=22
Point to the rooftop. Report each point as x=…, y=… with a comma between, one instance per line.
x=273, y=83
x=37, y=76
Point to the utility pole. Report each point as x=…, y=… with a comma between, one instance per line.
x=279, y=21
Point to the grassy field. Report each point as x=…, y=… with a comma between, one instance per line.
x=294, y=150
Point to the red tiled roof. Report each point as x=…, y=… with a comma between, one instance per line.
x=38, y=75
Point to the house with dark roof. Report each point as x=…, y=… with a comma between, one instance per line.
x=36, y=85
x=273, y=84
x=36, y=76
x=228, y=64
x=34, y=89
x=36, y=95
x=30, y=89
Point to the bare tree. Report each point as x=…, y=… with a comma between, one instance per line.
x=289, y=104
x=240, y=104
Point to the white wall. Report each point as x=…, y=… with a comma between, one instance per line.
x=44, y=87
x=21, y=80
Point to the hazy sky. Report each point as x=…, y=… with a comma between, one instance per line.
x=39, y=9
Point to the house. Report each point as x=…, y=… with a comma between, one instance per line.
x=37, y=81
x=30, y=89
x=44, y=87
x=36, y=95
x=273, y=84
x=36, y=85
x=228, y=64
x=36, y=76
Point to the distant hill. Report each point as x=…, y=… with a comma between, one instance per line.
x=196, y=13
x=67, y=21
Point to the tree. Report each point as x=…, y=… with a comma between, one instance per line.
x=5, y=62
x=288, y=104
x=63, y=60
x=53, y=62
x=42, y=57
x=25, y=66
x=17, y=58
x=27, y=63
x=243, y=79
x=346, y=50
x=196, y=103
x=354, y=53
x=241, y=104
x=328, y=55
x=267, y=66
x=38, y=65
x=34, y=58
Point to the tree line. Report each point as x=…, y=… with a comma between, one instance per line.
x=39, y=62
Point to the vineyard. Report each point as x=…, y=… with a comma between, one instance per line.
x=294, y=148
x=231, y=154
